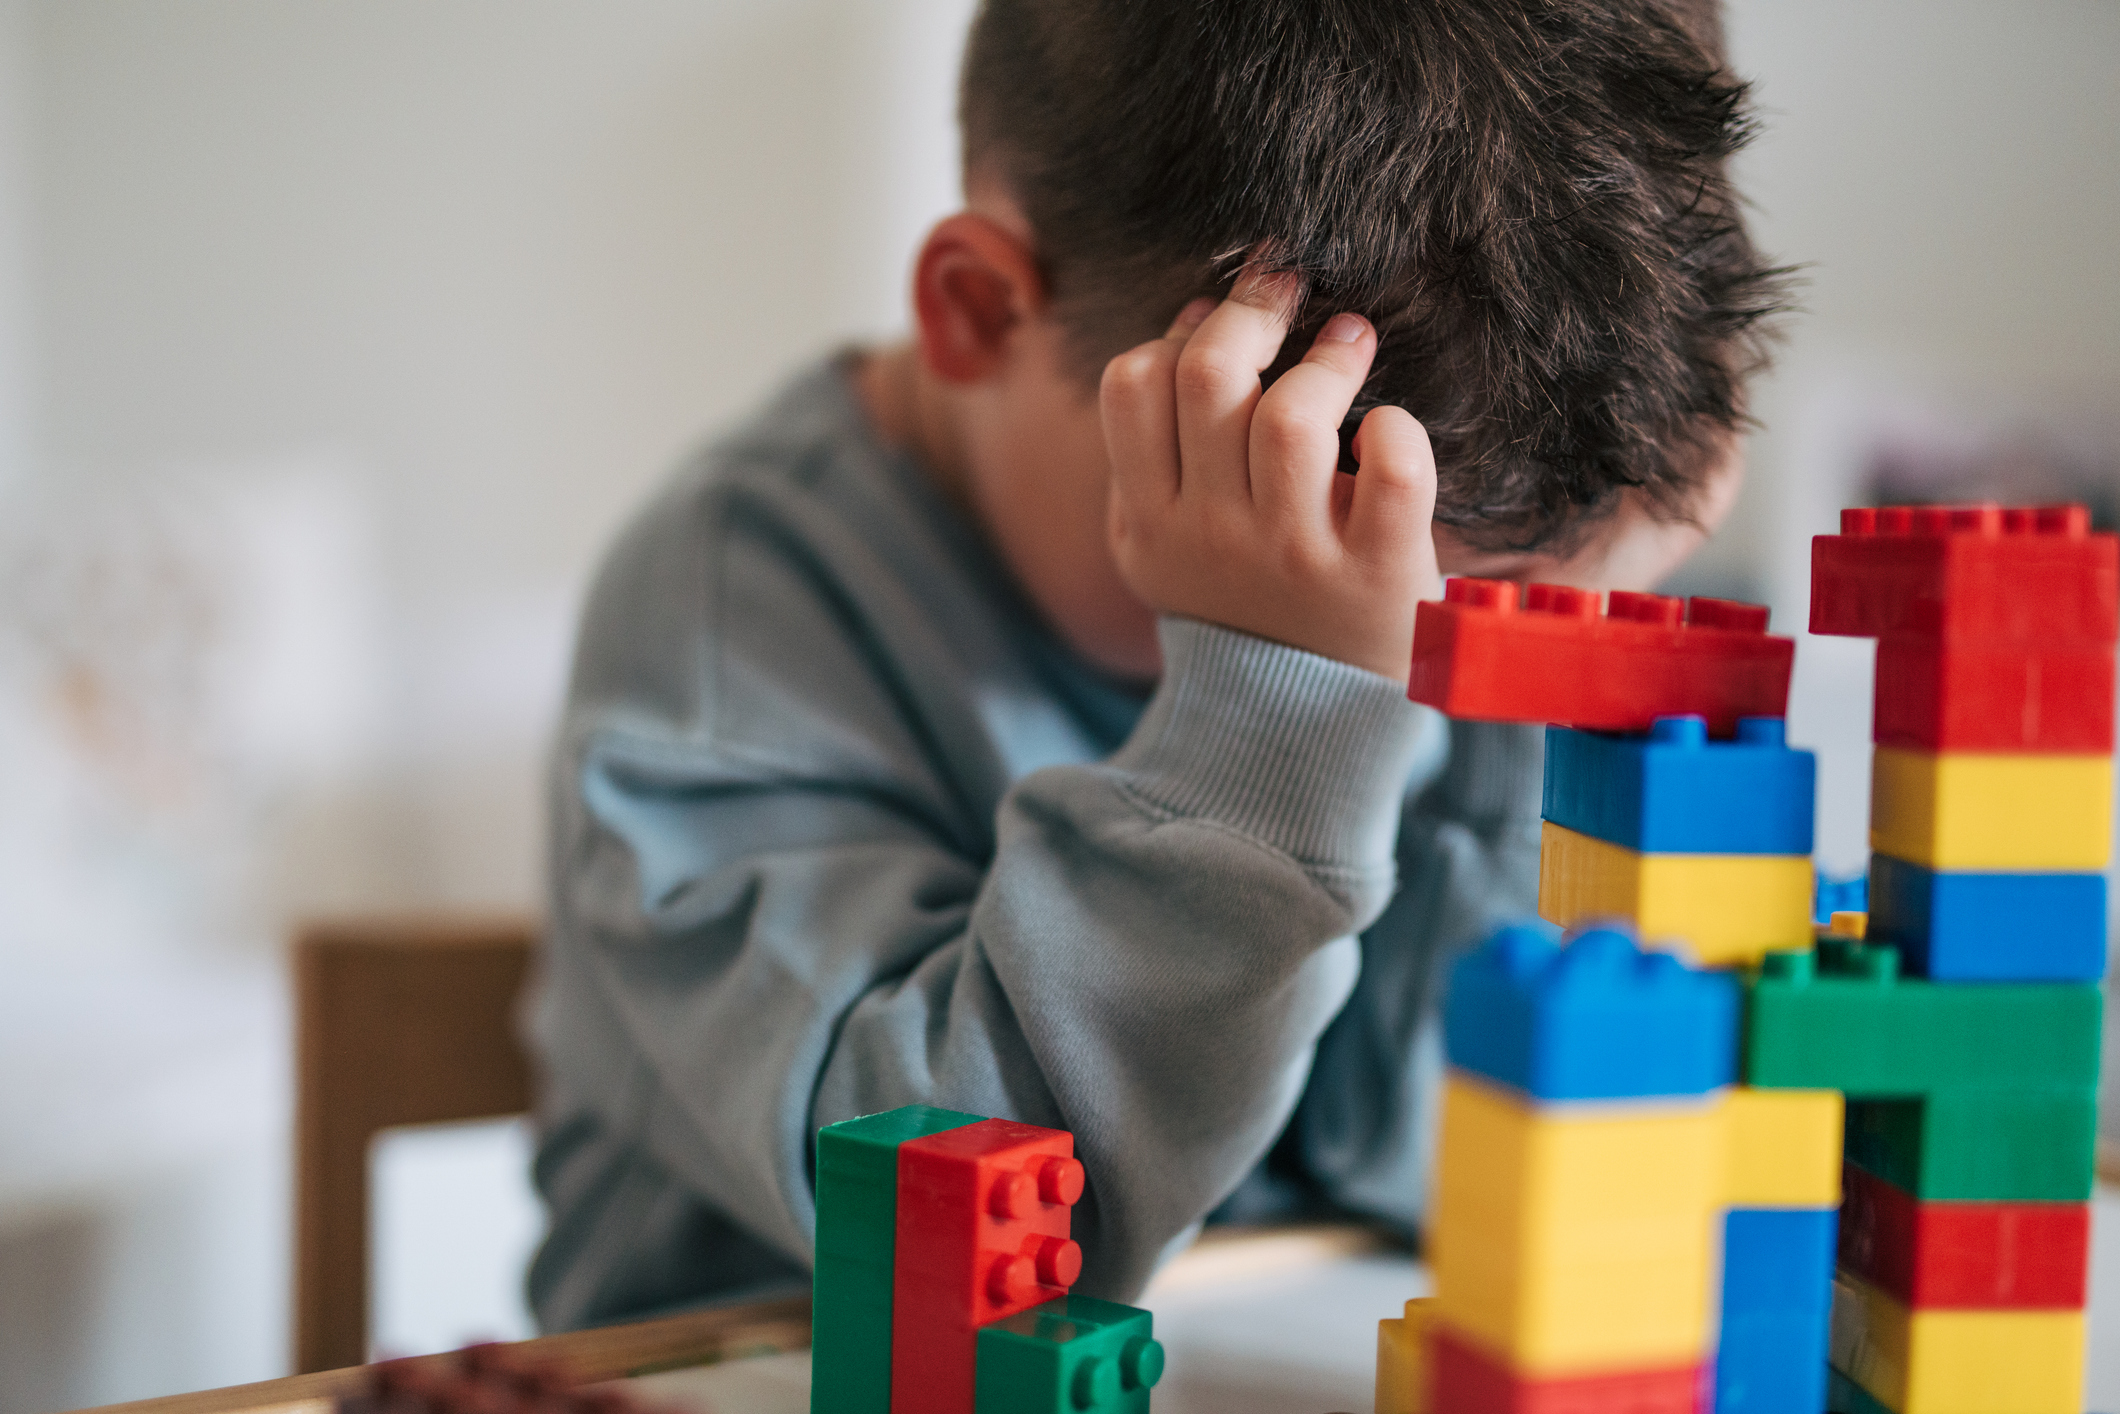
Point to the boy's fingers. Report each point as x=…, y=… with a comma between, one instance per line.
x=1295, y=430
x=1393, y=513
x=1218, y=380
x=1190, y=318
x=1137, y=402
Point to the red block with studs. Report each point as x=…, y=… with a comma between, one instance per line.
x=1555, y=654
x=2029, y=576
x=1964, y=1256
x=983, y=1218
x=1940, y=696
x=1465, y=1379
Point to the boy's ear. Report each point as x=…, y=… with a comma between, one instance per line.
x=974, y=285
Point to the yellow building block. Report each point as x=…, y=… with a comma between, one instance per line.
x=1784, y=1148
x=1720, y=908
x=1578, y=1237
x=1957, y=1362
x=1985, y=811
x=1402, y=1360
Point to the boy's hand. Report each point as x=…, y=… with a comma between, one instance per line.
x=1227, y=504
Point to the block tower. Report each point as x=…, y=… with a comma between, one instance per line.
x=1962, y=1020
x=943, y=1266
x=1674, y=805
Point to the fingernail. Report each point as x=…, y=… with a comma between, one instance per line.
x=1343, y=329
x=1195, y=314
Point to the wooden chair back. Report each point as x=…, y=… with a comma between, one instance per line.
x=396, y=1022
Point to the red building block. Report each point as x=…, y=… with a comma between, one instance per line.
x=1467, y=1380
x=1965, y=1256
x=2032, y=576
x=1558, y=659
x=983, y=1216
x=1934, y=695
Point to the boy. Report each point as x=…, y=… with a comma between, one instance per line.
x=955, y=734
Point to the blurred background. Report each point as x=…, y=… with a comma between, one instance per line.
x=338, y=336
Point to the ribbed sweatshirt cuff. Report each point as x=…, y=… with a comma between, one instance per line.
x=1306, y=754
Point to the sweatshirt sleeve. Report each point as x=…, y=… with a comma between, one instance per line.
x=1468, y=863
x=1143, y=951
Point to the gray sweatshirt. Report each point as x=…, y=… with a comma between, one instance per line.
x=839, y=825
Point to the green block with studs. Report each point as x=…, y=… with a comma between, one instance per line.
x=1076, y=1355
x=857, y=1239
x=1957, y=1092
x=1843, y=1019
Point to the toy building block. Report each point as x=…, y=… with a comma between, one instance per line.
x=1673, y=792
x=1841, y=1017
x=1971, y=1144
x=1957, y=1362
x=1968, y=573
x=1472, y=1380
x=1598, y=1019
x=1720, y=908
x=1957, y=926
x=1981, y=1256
x=1402, y=1360
x=1577, y=1238
x=1783, y=1148
x=1993, y=813
x=1777, y=1301
x=983, y=1217
x=857, y=1225
x=1833, y=896
x=1938, y=696
x=1559, y=658
x=1076, y=1355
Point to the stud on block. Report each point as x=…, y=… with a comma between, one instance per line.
x=1076, y=1355
x=1675, y=792
x=1992, y=813
x=1979, y=1256
x=1957, y=1362
x=1598, y=1019
x=1720, y=909
x=1472, y=1380
x=2024, y=575
x=1403, y=1376
x=857, y=1224
x=1958, y=926
x=983, y=1219
x=1576, y=1237
x=1559, y=657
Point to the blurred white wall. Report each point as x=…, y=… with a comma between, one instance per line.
x=409, y=301
x=15, y=434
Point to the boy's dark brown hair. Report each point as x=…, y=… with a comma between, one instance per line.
x=1530, y=199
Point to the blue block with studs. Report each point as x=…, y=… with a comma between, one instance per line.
x=1674, y=791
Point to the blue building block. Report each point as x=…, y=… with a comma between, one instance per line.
x=1675, y=792
x=1777, y=1306
x=1965, y=927
x=1596, y=1019
x=1076, y=1355
x=1831, y=896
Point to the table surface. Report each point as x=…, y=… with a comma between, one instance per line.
x=1278, y=1322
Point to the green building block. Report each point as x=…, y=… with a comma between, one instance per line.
x=857, y=1234
x=1844, y=1396
x=1981, y=1145
x=1957, y=1091
x=1077, y=1355
x=1842, y=1019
